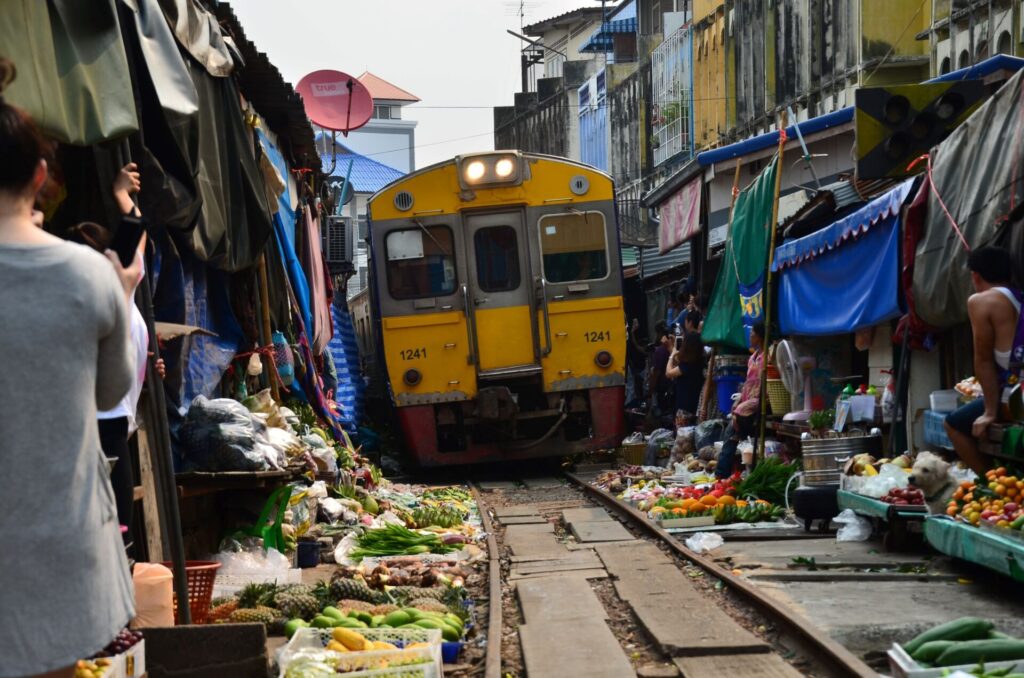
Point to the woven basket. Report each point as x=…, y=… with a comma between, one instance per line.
x=778, y=397
x=633, y=453
x=200, y=575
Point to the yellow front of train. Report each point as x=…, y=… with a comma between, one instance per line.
x=497, y=293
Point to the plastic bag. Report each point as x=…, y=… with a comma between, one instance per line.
x=332, y=509
x=154, y=595
x=702, y=542
x=708, y=433
x=249, y=556
x=221, y=435
x=854, y=527
x=635, y=437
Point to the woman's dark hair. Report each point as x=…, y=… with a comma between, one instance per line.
x=91, y=235
x=21, y=144
x=661, y=329
x=758, y=329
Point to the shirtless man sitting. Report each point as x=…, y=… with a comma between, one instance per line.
x=994, y=311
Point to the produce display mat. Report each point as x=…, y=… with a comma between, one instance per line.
x=981, y=547
x=778, y=524
x=869, y=506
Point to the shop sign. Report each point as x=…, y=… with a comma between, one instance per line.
x=680, y=217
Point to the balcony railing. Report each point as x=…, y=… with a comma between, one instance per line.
x=672, y=93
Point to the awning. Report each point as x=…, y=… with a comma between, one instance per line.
x=680, y=217
x=853, y=225
x=653, y=263
x=845, y=276
x=602, y=40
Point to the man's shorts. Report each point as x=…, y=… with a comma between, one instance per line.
x=963, y=418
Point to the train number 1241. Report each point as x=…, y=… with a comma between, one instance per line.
x=594, y=337
x=413, y=353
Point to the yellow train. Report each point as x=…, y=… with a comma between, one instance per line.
x=494, y=312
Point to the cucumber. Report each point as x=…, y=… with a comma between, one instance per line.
x=988, y=650
x=931, y=650
x=998, y=635
x=965, y=628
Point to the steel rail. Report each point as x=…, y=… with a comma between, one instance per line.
x=828, y=651
x=492, y=662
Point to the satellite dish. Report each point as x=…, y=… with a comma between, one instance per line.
x=335, y=100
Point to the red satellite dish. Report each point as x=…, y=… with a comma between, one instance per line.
x=335, y=100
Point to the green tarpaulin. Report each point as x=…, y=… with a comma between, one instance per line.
x=743, y=263
x=72, y=71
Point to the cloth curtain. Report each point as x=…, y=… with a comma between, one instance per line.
x=743, y=264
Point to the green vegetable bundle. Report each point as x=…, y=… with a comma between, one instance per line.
x=767, y=481
x=398, y=540
x=440, y=516
x=448, y=494
x=752, y=513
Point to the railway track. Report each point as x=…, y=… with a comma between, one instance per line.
x=833, y=619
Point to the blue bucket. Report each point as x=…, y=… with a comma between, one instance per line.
x=450, y=652
x=308, y=554
x=728, y=384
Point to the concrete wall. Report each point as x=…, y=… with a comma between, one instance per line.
x=989, y=29
x=709, y=81
x=391, y=142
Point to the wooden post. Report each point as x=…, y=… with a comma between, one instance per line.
x=267, y=338
x=773, y=226
x=714, y=352
x=150, y=505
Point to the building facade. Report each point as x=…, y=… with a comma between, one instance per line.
x=389, y=137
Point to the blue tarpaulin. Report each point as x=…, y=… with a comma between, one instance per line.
x=850, y=268
x=345, y=352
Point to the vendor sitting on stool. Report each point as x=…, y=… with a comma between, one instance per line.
x=747, y=410
x=994, y=310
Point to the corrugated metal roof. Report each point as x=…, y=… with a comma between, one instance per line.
x=652, y=263
x=368, y=175
x=630, y=256
x=582, y=14
x=602, y=41
x=382, y=89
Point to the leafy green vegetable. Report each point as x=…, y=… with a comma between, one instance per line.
x=767, y=481
x=398, y=540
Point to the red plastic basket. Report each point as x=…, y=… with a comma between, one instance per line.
x=200, y=575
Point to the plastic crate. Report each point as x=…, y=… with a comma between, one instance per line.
x=308, y=641
x=944, y=401
x=935, y=430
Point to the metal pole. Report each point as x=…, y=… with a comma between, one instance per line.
x=267, y=339
x=768, y=288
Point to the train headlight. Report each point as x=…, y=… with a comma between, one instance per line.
x=501, y=168
x=504, y=168
x=475, y=171
x=412, y=377
x=603, y=359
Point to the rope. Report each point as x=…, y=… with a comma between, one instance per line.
x=268, y=352
x=931, y=184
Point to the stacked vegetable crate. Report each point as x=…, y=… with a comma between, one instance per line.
x=968, y=644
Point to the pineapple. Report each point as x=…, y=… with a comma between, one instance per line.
x=256, y=595
x=256, y=615
x=429, y=605
x=352, y=589
x=386, y=608
x=223, y=611
x=360, y=605
x=297, y=605
x=400, y=593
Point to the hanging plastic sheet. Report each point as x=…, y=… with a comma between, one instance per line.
x=845, y=276
x=74, y=78
x=199, y=34
x=978, y=176
x=236, y=219
x=746, y=255
x=320, y=329
x=351, y=391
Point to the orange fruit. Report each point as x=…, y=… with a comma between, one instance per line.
x=726, y=500
x=709, y=500
x=951, y=510
x=741, y=503
x=688, y=504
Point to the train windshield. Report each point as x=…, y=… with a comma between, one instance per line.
x=573, y=247
x=497, y=258
x=420, y=262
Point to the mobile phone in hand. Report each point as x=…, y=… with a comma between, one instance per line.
x=126, y=239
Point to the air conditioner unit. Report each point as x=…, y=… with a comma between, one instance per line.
x=339, y=244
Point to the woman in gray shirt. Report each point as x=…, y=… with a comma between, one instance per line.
x=65, y=589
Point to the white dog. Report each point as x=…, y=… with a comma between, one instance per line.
x=931, y=475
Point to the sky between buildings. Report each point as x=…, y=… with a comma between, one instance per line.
x=453, y=54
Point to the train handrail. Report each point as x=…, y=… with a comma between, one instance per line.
x=547, y=317
x=470, y=330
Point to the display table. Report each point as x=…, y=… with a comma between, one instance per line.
x=900, y=522
x=976, y=545
x=198, y=483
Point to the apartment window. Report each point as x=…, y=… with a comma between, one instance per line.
x=382, y=112
x=944, y=68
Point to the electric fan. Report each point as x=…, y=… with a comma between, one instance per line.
x=795, y=372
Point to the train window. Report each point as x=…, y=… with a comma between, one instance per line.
x=420, y=262
x=573, y=246
x=497, y=258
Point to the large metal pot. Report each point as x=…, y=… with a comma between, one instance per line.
x=822, y=457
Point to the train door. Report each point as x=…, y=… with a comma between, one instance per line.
x=500, y=295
